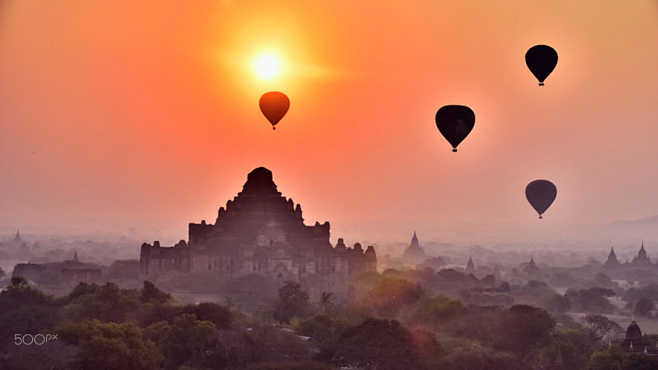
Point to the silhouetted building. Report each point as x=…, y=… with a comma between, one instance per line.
x=633, y=341
x=414, y=253
x=259, y=231
x=470, y=266
x=124, y=269
x=612, y=261
x=642, y=258
x=66, y=272
x=16, y=247
x=81, y=274
x=530, y=267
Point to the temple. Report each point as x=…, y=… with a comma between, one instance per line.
x=470, y=266
x=641, y=260
x=414, y=253
x=530, y=267
x=15, y=248
x=259, y=231
x=635, y=342
x=612, y=261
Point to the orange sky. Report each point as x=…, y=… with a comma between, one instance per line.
x=145, y=114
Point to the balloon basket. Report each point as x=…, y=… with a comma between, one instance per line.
x=541, y=217
x=454, y=150
x=541, y=84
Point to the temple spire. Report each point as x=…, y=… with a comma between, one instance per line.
x=414, y=240
x=612, y=260
x=414, y=252
x=18, y=235
x=470, y=266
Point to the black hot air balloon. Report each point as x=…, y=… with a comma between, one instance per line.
x=540, y=194
x=541, y=59
x=274, y=105
x=455, y=122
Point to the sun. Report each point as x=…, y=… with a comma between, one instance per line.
x=267, y=66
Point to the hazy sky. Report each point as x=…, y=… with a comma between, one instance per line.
x=123, y=114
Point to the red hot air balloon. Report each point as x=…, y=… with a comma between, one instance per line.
x=274, y=105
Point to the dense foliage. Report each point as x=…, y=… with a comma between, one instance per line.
x=388, y=322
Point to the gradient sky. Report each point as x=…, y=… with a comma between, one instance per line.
x=121, y=115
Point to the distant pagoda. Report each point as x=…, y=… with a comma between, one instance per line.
x=414, y=252
x=612, y=261
x=530, y=267
x=642, y=258
x=470, y=266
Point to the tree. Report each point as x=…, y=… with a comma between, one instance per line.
x=379, y=344
x=322, y=328
x=570, y=347
x=292, y=302
x=640, y=361
x=524, y=328
x=24, y=309
x=635, y=294
x=438, y=309
x=558, y=303
x=111, y=346
x=644, y=306
x=306, y=365
x=102, y=302
x=598, y=327
x=615, y=359
x=150, y=293
x=53, y=355
x=591, y=300
x=20, y=293
x=219, y=315
x=390, y=295
x=610, y=359
x=184, y=341
x=466, y=355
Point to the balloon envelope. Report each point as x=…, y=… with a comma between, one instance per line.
x=541, y=60
x=540, y=194
x=455, y=122
x=274, y=105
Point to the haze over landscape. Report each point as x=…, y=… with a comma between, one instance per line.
x=123, y=118
x=304, y=185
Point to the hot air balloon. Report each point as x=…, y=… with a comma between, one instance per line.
x=455, y=122
x=274, y=105
x=541, y=60
x=540, y=194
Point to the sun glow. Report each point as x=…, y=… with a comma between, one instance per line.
x=267, y=66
